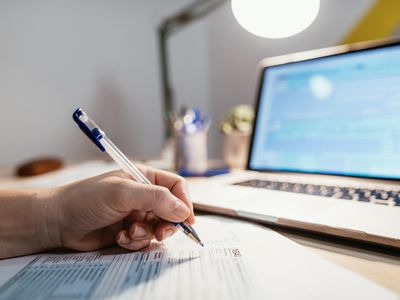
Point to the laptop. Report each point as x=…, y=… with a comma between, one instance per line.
x=325, y=149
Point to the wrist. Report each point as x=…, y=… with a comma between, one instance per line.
x=47, y=219
x=28, y=222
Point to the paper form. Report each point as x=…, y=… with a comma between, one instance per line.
x=152, y=275
x=164, y=271
x=240, y=261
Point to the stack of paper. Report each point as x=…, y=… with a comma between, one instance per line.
x=239, y=261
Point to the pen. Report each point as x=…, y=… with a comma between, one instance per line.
x=100, y=139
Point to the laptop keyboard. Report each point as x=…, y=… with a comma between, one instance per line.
x=376, y=196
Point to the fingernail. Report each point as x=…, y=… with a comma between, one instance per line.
x=123, y=239
x=167, y=233
x=139, y=232
x=181, y=210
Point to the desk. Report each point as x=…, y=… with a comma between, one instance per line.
x=377, y=264
x=382, y=268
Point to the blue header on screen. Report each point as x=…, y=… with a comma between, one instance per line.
x=332, y=115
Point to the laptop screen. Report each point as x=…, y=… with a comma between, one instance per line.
x=338, y=115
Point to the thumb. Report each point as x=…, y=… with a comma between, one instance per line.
x=154, y=198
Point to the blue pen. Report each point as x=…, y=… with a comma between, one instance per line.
x=99, y=138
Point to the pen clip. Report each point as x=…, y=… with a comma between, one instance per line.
x=94, y=134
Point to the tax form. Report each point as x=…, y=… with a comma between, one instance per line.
x=239, y=261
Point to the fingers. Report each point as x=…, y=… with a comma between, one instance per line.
x=135, y=216
x=164, y=230
x=133, y=245
x=167, y=189
x=151, y=198
x=175, y=183
x=139, y=235
x=180, y=191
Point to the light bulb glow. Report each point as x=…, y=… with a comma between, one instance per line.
x=275, y=18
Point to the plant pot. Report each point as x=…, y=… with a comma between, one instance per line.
x=236, y=149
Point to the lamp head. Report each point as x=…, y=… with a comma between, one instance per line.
x=275, y=18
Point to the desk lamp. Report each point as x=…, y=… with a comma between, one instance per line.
x=264, y=18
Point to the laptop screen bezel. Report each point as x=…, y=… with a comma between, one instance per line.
x=306, y=56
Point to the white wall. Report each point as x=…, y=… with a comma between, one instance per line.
x=102, y=55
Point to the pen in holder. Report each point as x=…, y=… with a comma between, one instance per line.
x=190, y=135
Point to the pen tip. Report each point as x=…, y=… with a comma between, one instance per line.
x=202, y=244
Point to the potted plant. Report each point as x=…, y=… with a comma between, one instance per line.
x=236, y=127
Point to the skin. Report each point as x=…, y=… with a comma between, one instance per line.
x=94, y=213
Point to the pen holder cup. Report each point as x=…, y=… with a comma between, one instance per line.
x=191, y=151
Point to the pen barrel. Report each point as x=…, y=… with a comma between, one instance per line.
x=123, y=162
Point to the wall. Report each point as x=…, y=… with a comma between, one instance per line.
x=102, y=55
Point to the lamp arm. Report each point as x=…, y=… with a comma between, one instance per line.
x=169, y=26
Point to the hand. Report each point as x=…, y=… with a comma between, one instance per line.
x=109, y=208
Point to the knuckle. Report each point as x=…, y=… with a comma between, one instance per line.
x=160, y=195
x=182, y=181
x=177, y=178
x=162, y=192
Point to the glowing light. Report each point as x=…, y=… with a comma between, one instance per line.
x=321, y=87
x=275, y=18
